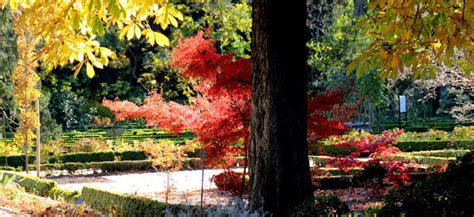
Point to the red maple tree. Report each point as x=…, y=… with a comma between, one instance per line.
x=219, y=115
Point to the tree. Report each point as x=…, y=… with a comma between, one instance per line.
x=69, y=29
x=279, y=166
x=414, y=34
x=25, y=81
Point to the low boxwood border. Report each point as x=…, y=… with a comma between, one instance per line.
x=41, y=187
x=130, y=205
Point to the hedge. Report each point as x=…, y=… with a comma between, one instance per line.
x=15, y=160
x=84, y=157
x=405, y=146
x=104, y=166
x=440, y=153
x=110, y=166
x=129, y=205
x=408, y=146
x=132, y=155
x=41, y=187
x=430, y=160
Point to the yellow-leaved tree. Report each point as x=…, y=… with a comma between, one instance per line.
x=417, y=35
x=25, y=81
x=68, y=29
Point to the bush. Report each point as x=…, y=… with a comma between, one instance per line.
x=230, y=181
x=9, y=168
x=117, y=166
x=16, y=160
x=326, y=205
x=41, y=187
x=408, y=146
x=440, y=153
x=129, y=205
x=132, y=155
x=430, y=160
x=83, y=157
x=104, y=166
x=446, y=194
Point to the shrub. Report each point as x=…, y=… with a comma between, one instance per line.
x=430, y=160
x=446, y=194
x=18, y=169
x=83, y=157
x=230, y=181
x=133, y=155
x=41, y=187
x=117, y=166
x=128, y=205
x=326, y=205
x=440, y=153
x=16, y=160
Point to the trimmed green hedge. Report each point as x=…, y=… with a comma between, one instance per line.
x=110, y=166
x=129, y=205
x=84, y=157
x=408, y=146
x=41, y=187
x=104, y=166
x=430, y=160
x=405, y=146
x=16, y=160
x=440, y=153
x=132, y=155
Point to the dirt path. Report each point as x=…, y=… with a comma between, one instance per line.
x=140, y=183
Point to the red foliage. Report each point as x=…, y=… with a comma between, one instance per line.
x=220, y=115
x=377, y=148
x=320, y=107
x=230, y=181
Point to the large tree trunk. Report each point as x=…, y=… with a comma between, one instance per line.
x=279, y=165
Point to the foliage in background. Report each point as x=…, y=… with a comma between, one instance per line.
x=8, y=58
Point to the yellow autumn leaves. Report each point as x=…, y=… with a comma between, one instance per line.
x=26, y=89
x=68, y=28
x=418, y=35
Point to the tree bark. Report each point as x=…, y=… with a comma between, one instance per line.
x=279, y=165
x=360, y=7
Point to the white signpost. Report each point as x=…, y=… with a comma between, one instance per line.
x=403, y=104
x=402, y=109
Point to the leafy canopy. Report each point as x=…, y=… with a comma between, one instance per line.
x=69, y=28
x=419, y=35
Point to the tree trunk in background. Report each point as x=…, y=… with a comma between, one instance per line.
x=279, y=165
x=359, y=7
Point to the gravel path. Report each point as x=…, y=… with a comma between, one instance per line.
x=140, y=183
